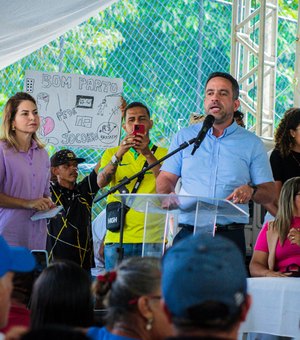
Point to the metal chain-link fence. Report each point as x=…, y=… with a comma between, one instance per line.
x=164, y=51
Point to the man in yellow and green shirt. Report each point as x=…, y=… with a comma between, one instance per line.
x=124, y=161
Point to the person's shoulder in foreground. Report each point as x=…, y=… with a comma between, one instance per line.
x=204, y=286
x=103, y=333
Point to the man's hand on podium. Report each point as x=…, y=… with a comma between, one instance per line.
x=170, y=202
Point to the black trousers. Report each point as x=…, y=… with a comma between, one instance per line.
x=234, y=232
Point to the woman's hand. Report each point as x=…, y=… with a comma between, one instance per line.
x=294, y=236
x=272, y=273
x=39, y=204
x=259, y=266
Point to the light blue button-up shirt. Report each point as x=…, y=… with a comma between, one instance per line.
x=220, y=164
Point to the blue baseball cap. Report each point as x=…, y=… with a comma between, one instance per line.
x=202, y=269
x=15, y=259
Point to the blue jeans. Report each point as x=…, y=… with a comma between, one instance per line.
x=111, y=252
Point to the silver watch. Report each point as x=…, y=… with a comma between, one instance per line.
x=114, y=160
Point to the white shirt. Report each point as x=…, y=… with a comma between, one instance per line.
x=99, y=231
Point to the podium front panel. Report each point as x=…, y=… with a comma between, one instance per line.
x=163, y=212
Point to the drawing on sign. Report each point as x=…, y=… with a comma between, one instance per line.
x=47, y=126
x=108, y=131
x=42, y=100
x=77, y=110
x=63, y=115
x=29, y=84
x=102, y=107
x=85, y=102
x=47, y=123
x=84, y=121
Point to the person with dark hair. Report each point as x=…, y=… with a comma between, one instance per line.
x=285, y=158
x=234, y=84
x=231, y=162
x=70, y=232
x=12, y=259
x=239, y=118
x=277, y=248
x=131, y=296
x=19, y=313
x=62, y=295
x=24, y=174
x=195, y=303
x=135, y=152
x=57, y=332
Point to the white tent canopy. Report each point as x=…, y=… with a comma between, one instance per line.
x=27, y=25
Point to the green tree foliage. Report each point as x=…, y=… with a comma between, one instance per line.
x=164, y=50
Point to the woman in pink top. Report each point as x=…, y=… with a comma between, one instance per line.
x=24, y=174
x=277, y=248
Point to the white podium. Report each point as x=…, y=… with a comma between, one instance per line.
x=162, y=213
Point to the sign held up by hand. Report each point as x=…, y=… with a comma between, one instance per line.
x=77, y=110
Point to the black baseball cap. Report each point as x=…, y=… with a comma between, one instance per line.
x=63, y=157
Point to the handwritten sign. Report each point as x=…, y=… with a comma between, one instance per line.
x=77, y=110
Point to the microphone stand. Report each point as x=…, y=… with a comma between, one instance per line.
x=128, y=180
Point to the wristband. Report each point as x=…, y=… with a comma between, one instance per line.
x=114, y=160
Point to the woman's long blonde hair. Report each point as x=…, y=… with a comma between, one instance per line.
x=286, y=207
x=7, y=133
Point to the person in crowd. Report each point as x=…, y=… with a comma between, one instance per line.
x=70, y=233
x=19, y=314
x=196, y=118
x=277, y=249
x=285, y=158
x=239, y=118
x=194, y=302
x=231, y=162
x=57, y=332
x=134, y=153
x=132, y=296
x=62, y=295
x=99, y=231
x=24, y=174
x=12, y=259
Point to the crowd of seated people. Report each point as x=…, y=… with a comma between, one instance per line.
x=141, y=301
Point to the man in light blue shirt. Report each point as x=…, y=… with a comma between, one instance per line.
x=231, y=163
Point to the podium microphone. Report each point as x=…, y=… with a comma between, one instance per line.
x=207, y=124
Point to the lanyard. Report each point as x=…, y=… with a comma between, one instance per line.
x=137, y=184
x=141, y=176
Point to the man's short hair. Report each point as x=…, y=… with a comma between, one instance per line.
x=204, y=282
x=136, y=104
x=235, y=85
